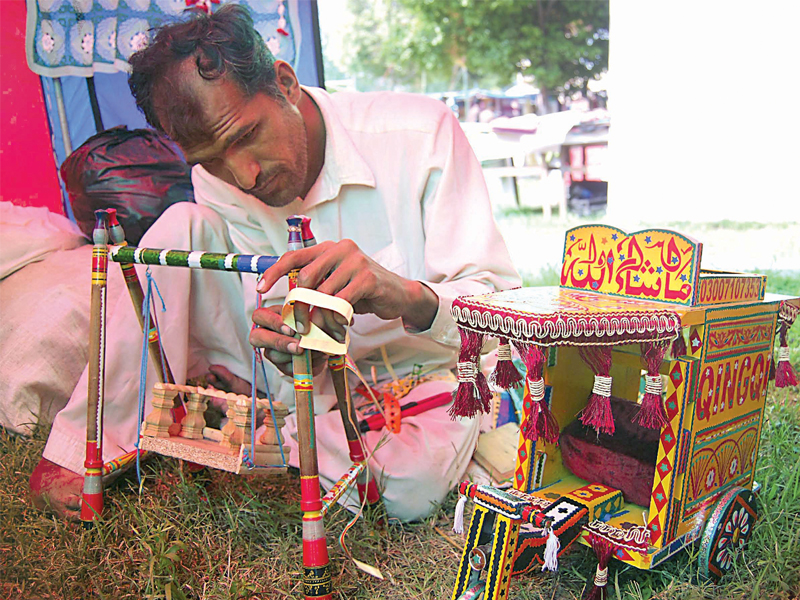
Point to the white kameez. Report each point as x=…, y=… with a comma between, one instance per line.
x=400, y=180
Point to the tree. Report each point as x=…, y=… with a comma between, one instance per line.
x=563, y=44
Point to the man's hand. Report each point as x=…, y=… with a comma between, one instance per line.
x=341, y=269
x=278, y=340
x=221, y=378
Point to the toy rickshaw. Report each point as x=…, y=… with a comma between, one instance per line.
x=650, y=448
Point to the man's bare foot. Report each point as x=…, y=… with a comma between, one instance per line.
x=55, y=488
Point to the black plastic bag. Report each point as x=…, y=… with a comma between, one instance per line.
x=138, y=172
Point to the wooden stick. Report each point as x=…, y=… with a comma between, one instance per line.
x=336, y=365
x=157, y=356
x=92, y=497
x=316, y=564
x=242, y=263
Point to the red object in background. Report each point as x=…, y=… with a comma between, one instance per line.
x=376, y=422
x=28, y=174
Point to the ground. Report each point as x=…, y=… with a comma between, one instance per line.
x=214, y=536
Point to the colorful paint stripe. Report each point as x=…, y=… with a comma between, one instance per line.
x=243, y=263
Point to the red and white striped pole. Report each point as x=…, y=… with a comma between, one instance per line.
x=316, y=564
x=336, y=365
x=92, y=497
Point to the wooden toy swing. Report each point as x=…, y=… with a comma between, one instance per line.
x=180, y=431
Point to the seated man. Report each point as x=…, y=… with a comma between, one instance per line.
x=398, y=201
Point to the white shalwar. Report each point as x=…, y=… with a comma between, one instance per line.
x=400, y=179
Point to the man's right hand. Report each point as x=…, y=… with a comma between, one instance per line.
x=278, y=340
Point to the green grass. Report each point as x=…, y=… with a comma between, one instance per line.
x=217, y=536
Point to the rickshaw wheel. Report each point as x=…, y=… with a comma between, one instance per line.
x=727, y=531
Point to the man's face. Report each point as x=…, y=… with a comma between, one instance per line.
x=257, y=144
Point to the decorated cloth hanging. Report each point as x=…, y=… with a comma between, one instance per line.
x=543, y=317
x=81, y=38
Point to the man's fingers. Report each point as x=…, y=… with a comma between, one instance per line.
x=270, y=318
x=294, y=259
x=301, y=317
x=331, y=325
x=270, y=340
x=278, y=358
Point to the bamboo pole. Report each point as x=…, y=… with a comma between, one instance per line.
x=336, y=365
x=316, y=564
x=92, y=497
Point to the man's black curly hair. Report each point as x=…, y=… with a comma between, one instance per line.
x=223, y=44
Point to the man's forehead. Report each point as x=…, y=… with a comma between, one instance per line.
x=187, y=107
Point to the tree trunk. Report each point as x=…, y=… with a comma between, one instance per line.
x=543, y=106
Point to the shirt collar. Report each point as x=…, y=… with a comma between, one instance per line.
x=343, y=164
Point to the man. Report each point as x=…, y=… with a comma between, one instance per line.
x=394, y=193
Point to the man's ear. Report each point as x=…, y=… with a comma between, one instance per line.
x=287, y=81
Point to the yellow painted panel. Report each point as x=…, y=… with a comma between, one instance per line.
x=654, y=264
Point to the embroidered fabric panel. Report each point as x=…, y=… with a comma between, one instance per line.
x=557, y=316
x=81, y=37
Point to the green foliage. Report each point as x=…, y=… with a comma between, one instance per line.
x=563, y=44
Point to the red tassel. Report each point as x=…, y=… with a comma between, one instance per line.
x=539, y=423
x=597, y=413
x=678, y=345
x=472, y=394
x=603, y=549
x=784, y=373
x=505, y=375
x=652, y=414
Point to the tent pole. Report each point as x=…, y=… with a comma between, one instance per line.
x=62, y=115
x=98, y=119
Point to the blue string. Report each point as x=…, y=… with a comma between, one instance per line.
x=161, y=353
x=253, y=391
x=148, y=299
x=272, y=412
x=143, y=369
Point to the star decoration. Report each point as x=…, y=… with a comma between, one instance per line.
x=614, y=237
x=659, y=269
x=683, y=277
x=622, y=257
x=636, y=278
x=580, y=271
x=648, y=239
x=572, y=238
x=674, y=259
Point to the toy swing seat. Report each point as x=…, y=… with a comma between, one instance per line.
x=178, y=429
x=669, y=457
